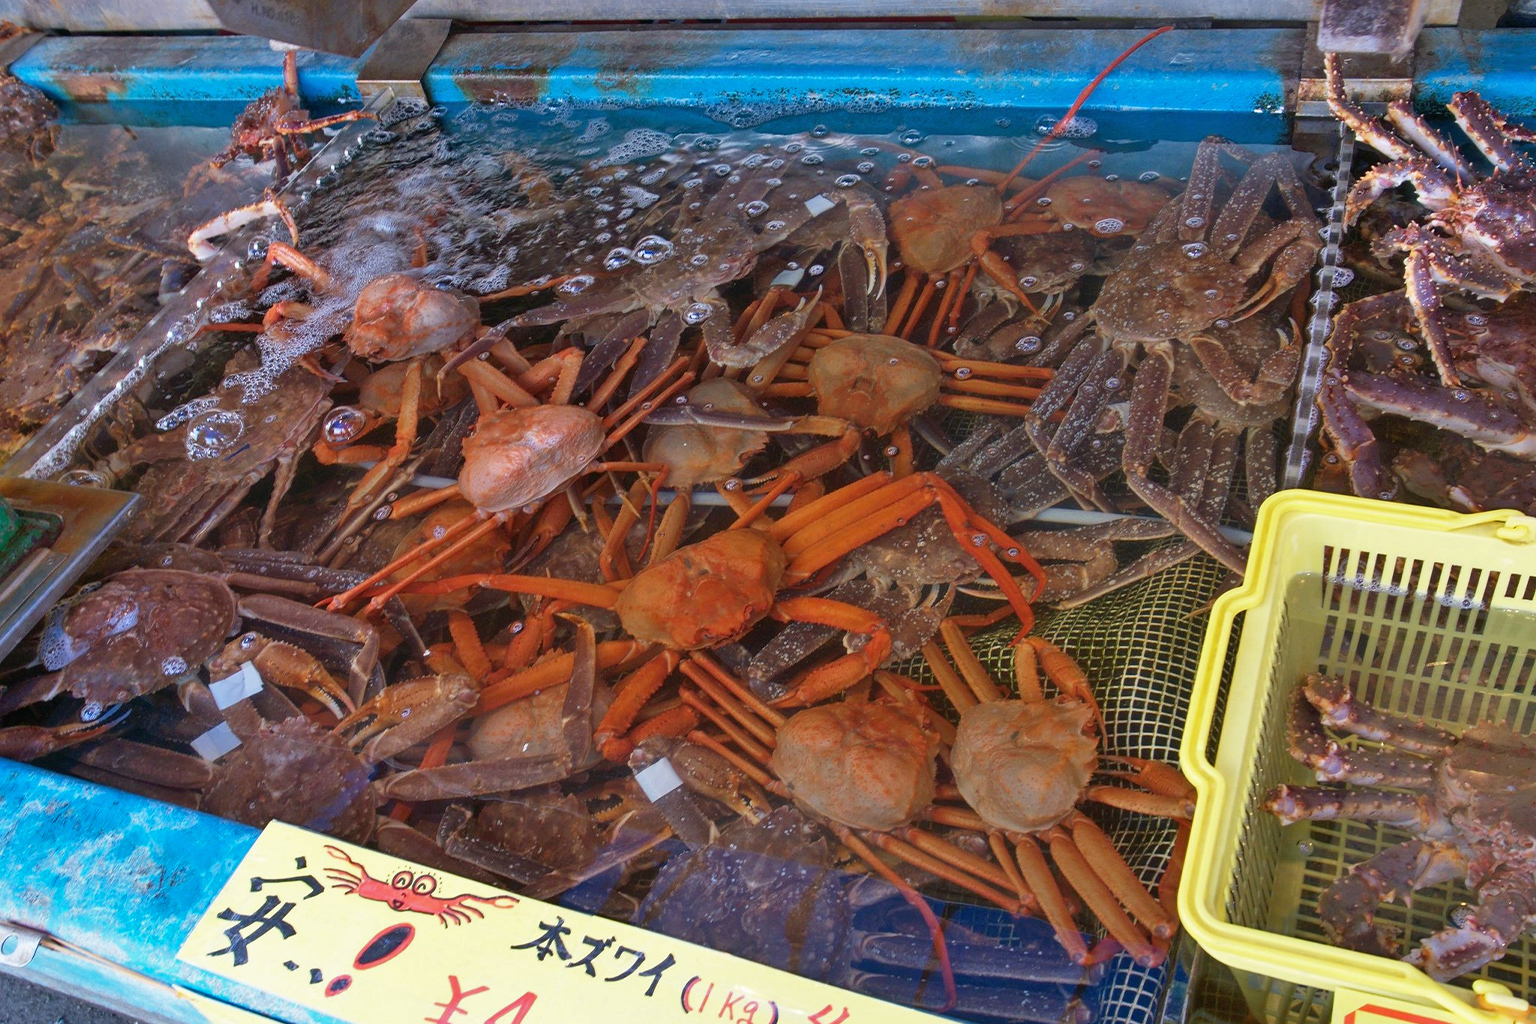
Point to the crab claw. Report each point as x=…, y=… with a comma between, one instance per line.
x=866, y=225
x=30, y=742
x=407, y=713
x=1474, y=413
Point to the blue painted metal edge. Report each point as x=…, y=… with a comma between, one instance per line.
x=1500, y=65
x=747, y=75
x=177, y=69
x=122, y=877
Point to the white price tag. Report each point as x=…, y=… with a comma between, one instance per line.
x=216, y=742
x=657, y=780
x=236, y=686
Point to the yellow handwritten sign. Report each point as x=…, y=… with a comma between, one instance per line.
x=365, y=937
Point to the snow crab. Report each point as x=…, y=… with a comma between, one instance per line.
x=673, y=278
x=1190, y=277
x=1468, y=803
x=1480, y=236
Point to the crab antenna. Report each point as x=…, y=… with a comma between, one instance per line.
x=1061, y=126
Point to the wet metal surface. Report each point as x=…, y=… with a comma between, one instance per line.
x=745, y=77
x=92, y=516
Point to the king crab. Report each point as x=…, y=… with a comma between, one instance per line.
x=1481, y=233
x=1469, y=805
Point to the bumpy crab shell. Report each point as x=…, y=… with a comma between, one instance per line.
x=705, y=592
x=517, y=456
x=875, y=381
x=398, y=317
x=862, y=765
x=144, y=629
x=294, y=771
x=1024, y=765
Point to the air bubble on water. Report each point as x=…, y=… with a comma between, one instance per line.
x=1029, y=344
x=903, y=158
x=755, y=208
x=575, y=285
x=962, y=372
x=894, y=361
x=1069, y=315
x=173, y=666
x=617, y=257
x=1476, y=319
x=186, y=411
x=698, y=313
x=847, y=180
x=814, y=269
x=1222, y=322
x=1195, y=222
x=1078, y=128
x=1195, y=250
x=865, y=166
x=911, y=137
x=91, y=710
x=1109, y=226
x=812, y=159
x=774, y=225
x=733, y=484
x=343, y=424
x=1212, y=293
x=214, y=433
x=698, y=259
x=1405, y=344
x=383, y=512
x=1043, y=201
x=1461, y=395
x=1029, y=281
x=82, y=477
x=891, y=451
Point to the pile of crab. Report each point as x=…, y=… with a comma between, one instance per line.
x=91, y=233
x=514, y=481
x=1428, y=387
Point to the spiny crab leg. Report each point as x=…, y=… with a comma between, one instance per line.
x=874, y=513
x=199, y=244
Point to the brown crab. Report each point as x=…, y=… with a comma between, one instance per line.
x=1469, y=804
x=1191, y=275
x=1364, y=381
x=213, y=450
x=1481, y=234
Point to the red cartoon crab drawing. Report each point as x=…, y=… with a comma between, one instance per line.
x=410, y=892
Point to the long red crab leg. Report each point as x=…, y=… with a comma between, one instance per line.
x=339, y=601
x=630, y=696
x=1075, y=868
x=971, y=669
x=1118, y=876
x=822, y=682
x=1037, y=875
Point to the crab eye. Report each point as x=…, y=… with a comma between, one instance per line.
x=247, y=641
x=402, y=880
x=425, y=885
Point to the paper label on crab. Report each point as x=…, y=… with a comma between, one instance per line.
x=1359, y=1008
x=361, y=936
x=235, y=687
x=216, y=742
x=658, y=780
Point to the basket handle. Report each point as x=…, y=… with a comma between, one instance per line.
x=1202, y=711
x=1514, y=527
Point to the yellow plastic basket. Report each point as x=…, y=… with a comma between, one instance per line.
x=1426, y=613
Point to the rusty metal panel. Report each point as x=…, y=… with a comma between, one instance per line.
x=746, y=77
x=169, y=15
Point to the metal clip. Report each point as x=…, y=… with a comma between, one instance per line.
x=18, y=944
